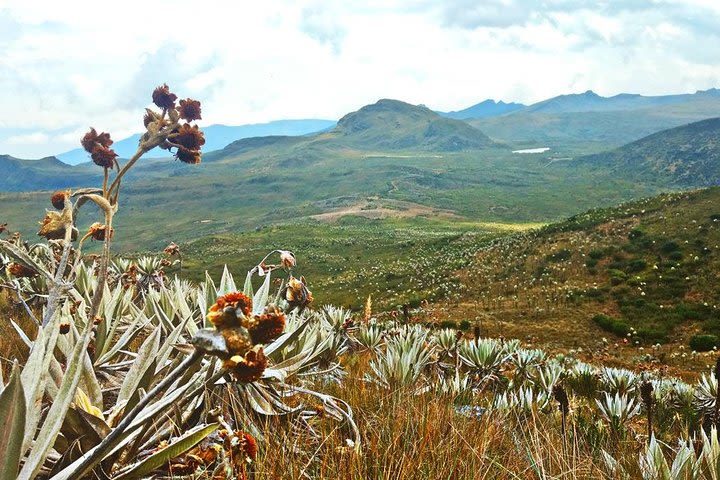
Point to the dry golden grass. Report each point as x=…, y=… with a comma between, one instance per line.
x=11, y=345
x=421, y=436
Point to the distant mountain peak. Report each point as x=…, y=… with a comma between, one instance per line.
x=397, y=125
x=484, y=109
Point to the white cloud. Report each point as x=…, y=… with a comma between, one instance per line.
x=67, y=65
x=29, y=139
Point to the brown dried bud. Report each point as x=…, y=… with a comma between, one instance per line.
x=103, y=156
x=172, y=249
x=287, y=259
x=58, y=198
x=190, y=137
x=163, y=98
x=268, y=326
x=97, y=231
x=229, y=310
x=92, y=139
x=247, y=368
x=189, y=110
x=297, y=293
x=185, y=155
x=52, y=227
x=64, y=328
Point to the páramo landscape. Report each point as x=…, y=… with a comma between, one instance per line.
x=360, y=240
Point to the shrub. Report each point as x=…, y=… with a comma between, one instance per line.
x=596, y=254
x=610, y=324
x=669, y=247
x=447, y=324
x=465, y=325
x=636, y=265
x=675, y=256
x=703, y=342
x=635, y=233
x=616, y=276
x=559, y=256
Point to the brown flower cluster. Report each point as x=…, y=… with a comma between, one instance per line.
x=244, y=334
x=59, y=198
x=98, y=146
x=297, y=294
x=226, y=453
x=186, y=139
x=163, y=97
x=52, y=227
x=172, y=249
x=98, y=231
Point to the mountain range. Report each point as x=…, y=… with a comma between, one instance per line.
x=390, y=151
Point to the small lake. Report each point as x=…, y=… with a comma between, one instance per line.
x=532, y=150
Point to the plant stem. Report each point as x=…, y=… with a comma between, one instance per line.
x=56, y=291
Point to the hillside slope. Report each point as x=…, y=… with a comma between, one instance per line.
x=637, y=274
x=395, y=125
x=597, y=130
x=684, y=156
x=18, y=175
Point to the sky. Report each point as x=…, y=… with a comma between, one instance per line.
x=65, y=66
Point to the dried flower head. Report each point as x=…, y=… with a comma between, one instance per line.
x=163, y=98
x=58, y=198
x=20, y=270
x=186, y=155
x=229, y=310
x=240, y=442
x=64, y=328
x=189, y=110
x=247, y=368
x=97, y=231
x=172, y=249
x=297, y=293
x=103, y=156
x=268, y=326
x=190, y=137
x=3, y=227
x=237, y=340
x=52, y=227
x=92, y=139
x=287, y=259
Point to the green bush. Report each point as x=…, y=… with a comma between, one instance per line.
x=596, y=254
x=465, y=325
x=636, y=265
x=675, y=256
x=610, y=324
x=559, y=256
x=703, y=343
x=447, y=324
x=669, y=247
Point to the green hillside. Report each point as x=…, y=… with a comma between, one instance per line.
x=46, y=173
x=395, y=125
x=683, y=156
x=642, y=272
x=407, y=159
